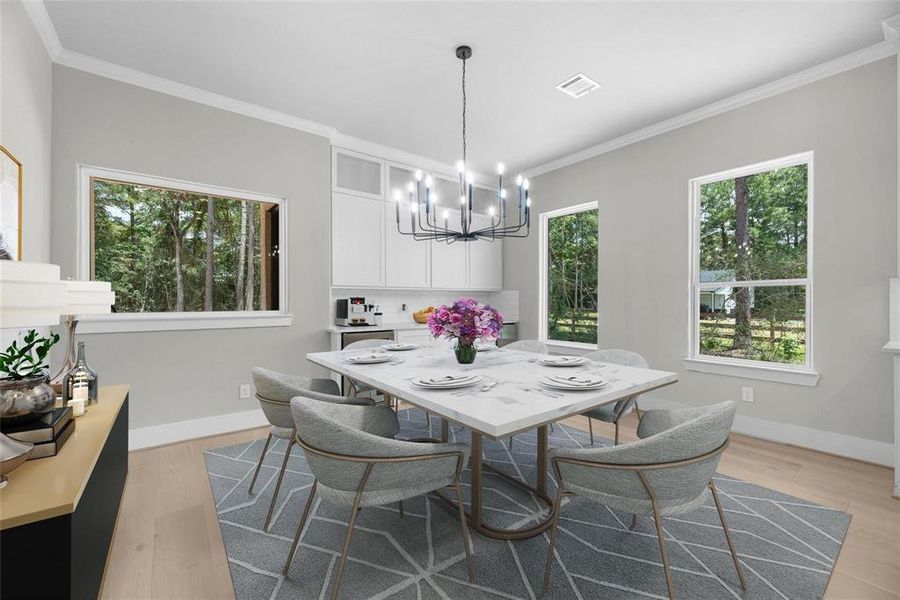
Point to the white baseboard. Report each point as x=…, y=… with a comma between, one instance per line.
x=873, y=451
x=159, y=435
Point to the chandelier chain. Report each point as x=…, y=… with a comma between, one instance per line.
x=464, y=109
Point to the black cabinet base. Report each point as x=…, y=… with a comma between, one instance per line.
x=64, y=557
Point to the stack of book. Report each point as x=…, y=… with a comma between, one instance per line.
x=47, y=434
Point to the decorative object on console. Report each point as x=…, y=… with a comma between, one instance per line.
x=25, y=393
x=467, y=320
x=10, y=206
x=48, y=435
x=82, y=298
x=423, y=200
x=12, y=454
x=80, y=383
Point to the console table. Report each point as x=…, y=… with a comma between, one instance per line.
x=57, y=514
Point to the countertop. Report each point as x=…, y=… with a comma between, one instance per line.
x=395, y=326
x=52, y=486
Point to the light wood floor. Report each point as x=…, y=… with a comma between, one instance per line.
x=167, y=542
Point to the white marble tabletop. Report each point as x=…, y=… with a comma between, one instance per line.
x=517, y=401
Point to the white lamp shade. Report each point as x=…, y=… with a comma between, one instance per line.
x=88, y=298
x=31, y=294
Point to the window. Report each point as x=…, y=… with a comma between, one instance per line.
x=181, y=248
x=569, y=275
x=751, y=279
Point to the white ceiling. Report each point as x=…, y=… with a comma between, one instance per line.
x=386, y=72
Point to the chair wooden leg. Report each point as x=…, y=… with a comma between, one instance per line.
x=287, y=455
x=309, y=501
x=591, y=429
x=637, y=410
x=617, y=432
x=465, y=532
x=349, y=534
x=556, y=508
x=259, y=464
x=737, y=563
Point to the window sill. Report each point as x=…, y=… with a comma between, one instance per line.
x=749, y=370
x=572, y=347
x=137, y=322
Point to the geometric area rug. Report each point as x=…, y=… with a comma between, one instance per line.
x=787, y=546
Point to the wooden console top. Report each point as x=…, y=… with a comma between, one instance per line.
x=49, y=487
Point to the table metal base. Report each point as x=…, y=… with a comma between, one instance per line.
x=474, y=515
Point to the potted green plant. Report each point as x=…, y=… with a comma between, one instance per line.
x=25, y=392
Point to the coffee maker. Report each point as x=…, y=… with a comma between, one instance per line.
x=354, y=312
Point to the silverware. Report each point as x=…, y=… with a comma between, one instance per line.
x=486, y=387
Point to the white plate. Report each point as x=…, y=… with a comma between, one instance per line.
x=485, y=348
x=563, y=361
x=399, y=347
x=598, y=382
x=436, y=384
x=369, y=359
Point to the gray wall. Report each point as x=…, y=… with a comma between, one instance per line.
x=25, y=118
x=850, y=121
x=189, y=374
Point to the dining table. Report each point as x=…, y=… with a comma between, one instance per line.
x=508, y=399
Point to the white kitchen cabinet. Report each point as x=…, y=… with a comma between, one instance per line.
x=450, y=263
x=407, y=261
x=485, y=259
x=357, y=241
x=355, y=173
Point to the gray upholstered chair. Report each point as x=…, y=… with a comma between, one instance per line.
x=274, y=391
x=667, y=472
x=358, y=387
x=536, y=346
x=611, y=413
x=357, y=469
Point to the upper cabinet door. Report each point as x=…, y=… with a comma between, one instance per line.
x=355, y=173
x=407, y=261
x=449, y=262
x=357, y=241
x=485, y=259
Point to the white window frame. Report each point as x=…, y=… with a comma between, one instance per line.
x=778, y=372
x=543, y=278
x=171, y=321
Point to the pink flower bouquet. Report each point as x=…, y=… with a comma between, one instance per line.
x=467, y=320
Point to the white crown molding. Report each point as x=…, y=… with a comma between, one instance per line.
x=833, y=67
x=37, y=12
x=891, y=28
x=103, y=68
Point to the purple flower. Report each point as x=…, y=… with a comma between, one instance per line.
x=466, y=319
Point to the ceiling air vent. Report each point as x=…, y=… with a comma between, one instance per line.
x=578, y=86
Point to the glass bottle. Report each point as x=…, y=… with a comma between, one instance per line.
x=81, y=374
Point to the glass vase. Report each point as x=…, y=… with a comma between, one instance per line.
x=80, y=375
x=465, y=353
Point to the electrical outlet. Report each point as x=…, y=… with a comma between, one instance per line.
x=244, y=391
x=747, y=394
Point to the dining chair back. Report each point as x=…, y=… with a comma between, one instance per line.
x=536, y=346
x=354, y=466
x=669, y=471
x=612, y=414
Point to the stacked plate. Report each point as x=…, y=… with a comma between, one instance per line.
x=485, y=347
x=369, y=358
x=563, y=361
x=573, y=382
x=399, y=346
x=446, y=382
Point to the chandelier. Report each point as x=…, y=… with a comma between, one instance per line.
x=430, y=221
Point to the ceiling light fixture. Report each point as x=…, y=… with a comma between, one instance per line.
x=423, y=222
